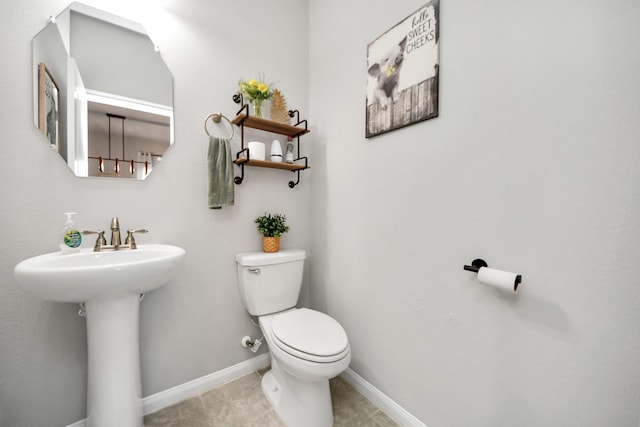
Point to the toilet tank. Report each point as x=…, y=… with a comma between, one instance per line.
x=270, y=282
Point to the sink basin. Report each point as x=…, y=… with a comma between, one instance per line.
x=87, y=275
x=109, y=285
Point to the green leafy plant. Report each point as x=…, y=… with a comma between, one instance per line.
x=272, y=225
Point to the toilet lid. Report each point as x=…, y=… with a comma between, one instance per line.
x=311, y=333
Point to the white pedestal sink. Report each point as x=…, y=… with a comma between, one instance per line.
x=110, y=284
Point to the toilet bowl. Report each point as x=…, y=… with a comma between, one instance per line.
x=307, y=347
x=302, y=362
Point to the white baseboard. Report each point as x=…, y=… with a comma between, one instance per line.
x=196, y=387
x=386, y=405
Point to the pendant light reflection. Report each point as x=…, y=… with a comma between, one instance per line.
x=144, y=159
x=116, y=167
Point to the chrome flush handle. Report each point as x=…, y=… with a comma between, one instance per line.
x=254, y=270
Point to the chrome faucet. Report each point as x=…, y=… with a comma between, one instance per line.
x=116, y=242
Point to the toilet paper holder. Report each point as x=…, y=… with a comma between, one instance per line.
x=475, y=265
x=501, y=279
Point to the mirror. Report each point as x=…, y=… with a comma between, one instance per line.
x=103, y=96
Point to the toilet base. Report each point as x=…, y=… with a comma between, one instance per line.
x=298, y=403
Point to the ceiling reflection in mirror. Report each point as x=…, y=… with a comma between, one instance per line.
x=103, y=96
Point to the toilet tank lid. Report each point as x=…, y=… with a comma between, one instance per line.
x=250, y=259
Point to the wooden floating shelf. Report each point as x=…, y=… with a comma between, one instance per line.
x=269, y=126
x=269, y=164
x=244, y=119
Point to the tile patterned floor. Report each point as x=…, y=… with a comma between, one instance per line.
x=241, y=404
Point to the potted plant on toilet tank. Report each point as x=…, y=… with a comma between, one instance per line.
x=271, y=226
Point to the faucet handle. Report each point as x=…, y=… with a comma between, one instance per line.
x=130, y=240
x=100, y=241
x=100, y=234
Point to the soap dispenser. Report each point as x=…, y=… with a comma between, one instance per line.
x=71, y=237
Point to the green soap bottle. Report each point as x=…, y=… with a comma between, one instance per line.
x=71, y=237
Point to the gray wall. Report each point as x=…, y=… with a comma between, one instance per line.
x=534, y=165
x=192, y=326
x=118, y=61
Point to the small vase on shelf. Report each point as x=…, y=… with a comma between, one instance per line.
x=257, y=107
x=276, y=151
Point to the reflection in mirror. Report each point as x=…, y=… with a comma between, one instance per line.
x=103, y=96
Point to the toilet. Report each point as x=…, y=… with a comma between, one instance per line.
x=307, y=347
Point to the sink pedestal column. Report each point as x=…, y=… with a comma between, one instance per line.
x=114, y=394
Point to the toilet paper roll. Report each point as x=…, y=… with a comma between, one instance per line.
x=498, y=278
x=256, y=150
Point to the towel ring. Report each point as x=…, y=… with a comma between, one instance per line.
x=217, y=117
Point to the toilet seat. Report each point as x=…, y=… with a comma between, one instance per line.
x=310, y=335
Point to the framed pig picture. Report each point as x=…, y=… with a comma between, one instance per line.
x=48, y=106
x=403, y=71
